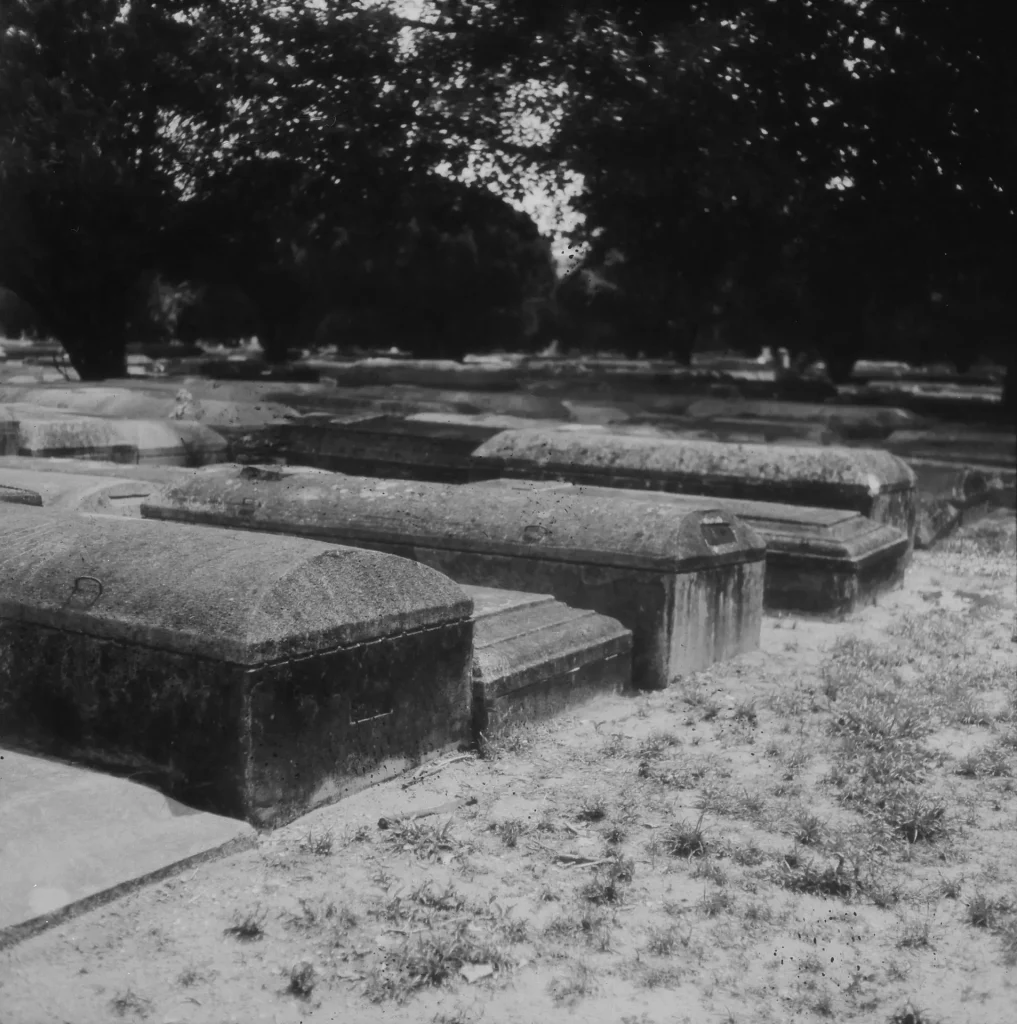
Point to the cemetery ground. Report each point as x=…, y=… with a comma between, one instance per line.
x=821, y=830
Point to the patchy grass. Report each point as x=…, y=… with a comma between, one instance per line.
x=427, y=841
x=684, y=839
x=432, y=960
x=804, y=875
x=576, y=984
x=592, y=808
x=319, y=844
x=815, y=834
x=129, y=1002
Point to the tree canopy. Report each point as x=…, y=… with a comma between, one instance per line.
x=809, y=168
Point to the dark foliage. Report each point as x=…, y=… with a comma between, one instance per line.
x=828, y=175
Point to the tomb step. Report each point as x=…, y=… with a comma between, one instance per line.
x=73, y=839
x=534, y=657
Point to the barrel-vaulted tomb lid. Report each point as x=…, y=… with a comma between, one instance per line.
x=620, y=530
x=222, y=594
x=866, y=469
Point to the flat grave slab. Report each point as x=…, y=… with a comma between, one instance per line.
x=818, y=560
x=73, y=838
x=689, y=587
x=869, y=481
x=534, y=657
x=256, y=678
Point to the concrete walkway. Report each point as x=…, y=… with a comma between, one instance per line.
x=73, y=838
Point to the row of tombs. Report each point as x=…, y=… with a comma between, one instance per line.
x=258, y=640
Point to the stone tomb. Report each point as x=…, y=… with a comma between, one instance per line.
x=874, y=483
x=533, y=657
x=818, y=560
x=256, y=678
x=690, y=587
x=386, y=446
x=951, y=443
x=431, y=373
x=77, y=492
x=746, y=431
x=852, y=422
x=94, y=467
x=951, y=493
x=154, y=402
x=50, y=433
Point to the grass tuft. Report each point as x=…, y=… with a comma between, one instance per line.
x=684, y=839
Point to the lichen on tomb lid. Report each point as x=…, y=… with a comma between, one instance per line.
x=224, y=594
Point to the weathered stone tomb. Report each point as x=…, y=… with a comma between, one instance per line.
x=386, y=446
x=256, y=677
x=818, y=560
x=874, y=483
x=78, y=492
x=689, y=586
x=50, y=433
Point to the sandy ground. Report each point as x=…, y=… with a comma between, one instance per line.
x=556, y=884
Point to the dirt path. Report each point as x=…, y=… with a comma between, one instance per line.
x=823, y=830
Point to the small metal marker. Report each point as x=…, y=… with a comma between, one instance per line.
x=716, y=530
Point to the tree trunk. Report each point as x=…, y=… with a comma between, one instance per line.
x=97, y=357
x=839, y=366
